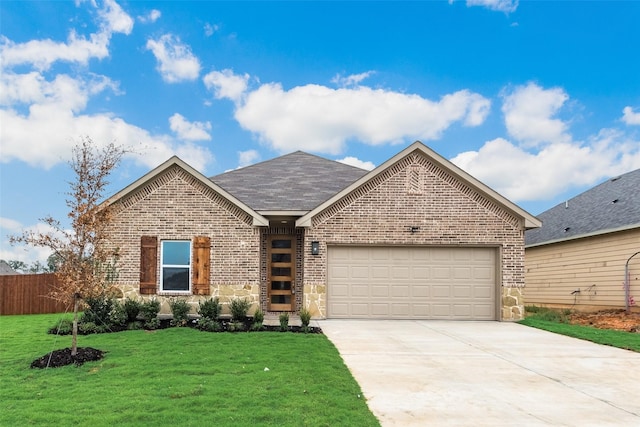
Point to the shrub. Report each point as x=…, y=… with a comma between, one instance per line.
x=239, y=309
x=210, y=308
x=63, y=327
x=134, y=326
x=87, y=328
x=258, y=320
x=209, y=325
x=284, y=321
x=98, y=311
x=118, y=315
x=305, y=317
x=180, y=309
x=149, y=312
x=235, y=326
x=132, y=308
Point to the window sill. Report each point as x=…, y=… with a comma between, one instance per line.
x=173, y=293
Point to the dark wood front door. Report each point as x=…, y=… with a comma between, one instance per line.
x=281, y=267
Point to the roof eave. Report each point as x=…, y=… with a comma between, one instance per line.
x=258, y=220
x=585, y=235
x=530, y=221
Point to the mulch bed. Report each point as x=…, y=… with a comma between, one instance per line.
x=63, y=357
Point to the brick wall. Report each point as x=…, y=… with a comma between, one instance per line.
x=416, y=192
x=176, y=205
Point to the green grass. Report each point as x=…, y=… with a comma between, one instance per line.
x=177, y=376
x=553, y=321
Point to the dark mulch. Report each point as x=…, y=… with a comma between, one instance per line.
x=63, y=357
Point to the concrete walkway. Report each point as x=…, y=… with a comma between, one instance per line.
x=438, y=373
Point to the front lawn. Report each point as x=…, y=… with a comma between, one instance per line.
x=177, y=376
x=552, y=323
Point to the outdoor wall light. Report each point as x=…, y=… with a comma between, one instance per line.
x=315, y=248
x=414, y=229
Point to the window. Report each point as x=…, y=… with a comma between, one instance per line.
x=175, y=269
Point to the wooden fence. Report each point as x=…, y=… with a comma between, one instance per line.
x=28, y=294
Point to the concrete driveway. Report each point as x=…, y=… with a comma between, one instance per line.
x=439, y=373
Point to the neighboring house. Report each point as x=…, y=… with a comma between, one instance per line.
x=5, y=269
x=415, y=238
x=577, y=258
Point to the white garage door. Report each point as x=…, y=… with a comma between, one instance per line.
x=412, y=283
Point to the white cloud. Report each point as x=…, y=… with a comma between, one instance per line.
x=176, y=62
x=322, y=119
x=190, y=131
x=506, y=6
x=114, y=18
x=226, y=84
x=79, y=49
x=528, y=112
x=44, y=135
x=354, y=161
x=630, y=117
x=546, y=161
x=43, y=53
x=20, y=252
x=246, y=158
x=352, y=80
x=151, y=17
x=209, y=29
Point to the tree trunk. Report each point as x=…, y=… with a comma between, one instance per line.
x=74, y=332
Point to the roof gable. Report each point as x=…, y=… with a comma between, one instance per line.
x=295, y=182
x=529, y=220
x=610, y=206
x=258, y=219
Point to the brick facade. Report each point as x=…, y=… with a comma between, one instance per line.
x=175, y=205
x=416, y=192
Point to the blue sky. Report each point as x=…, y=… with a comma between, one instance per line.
x=539, y=100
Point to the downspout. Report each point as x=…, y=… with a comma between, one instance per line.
x=627, y=284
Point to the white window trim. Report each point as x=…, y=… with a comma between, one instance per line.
x=161, y=290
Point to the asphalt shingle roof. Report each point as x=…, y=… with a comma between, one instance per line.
x=613, y=204
x=294, y=182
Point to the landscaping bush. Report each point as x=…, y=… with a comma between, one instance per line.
x=118, y=316
x=132, y=308
x=149, y=312
x=284, y=321
x=239, y=309
x=258, y=320
x=98, y=310
x=63, y=327
x=210, y=308
x=209, y=325
x=180, y=309
x=305, y=319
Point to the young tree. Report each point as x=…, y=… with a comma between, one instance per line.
x=85, y=265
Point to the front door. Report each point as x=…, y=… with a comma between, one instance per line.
x=281, y=256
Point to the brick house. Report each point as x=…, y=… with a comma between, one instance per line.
x=415, y=238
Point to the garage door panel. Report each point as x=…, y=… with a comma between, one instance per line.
x=400, y=273
x=398, y=290
x=440, y=291
x=380, y=291
x=380, y=272
x=359, y=272
x=360, y=291
x=462, y=291
x=412, y=282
